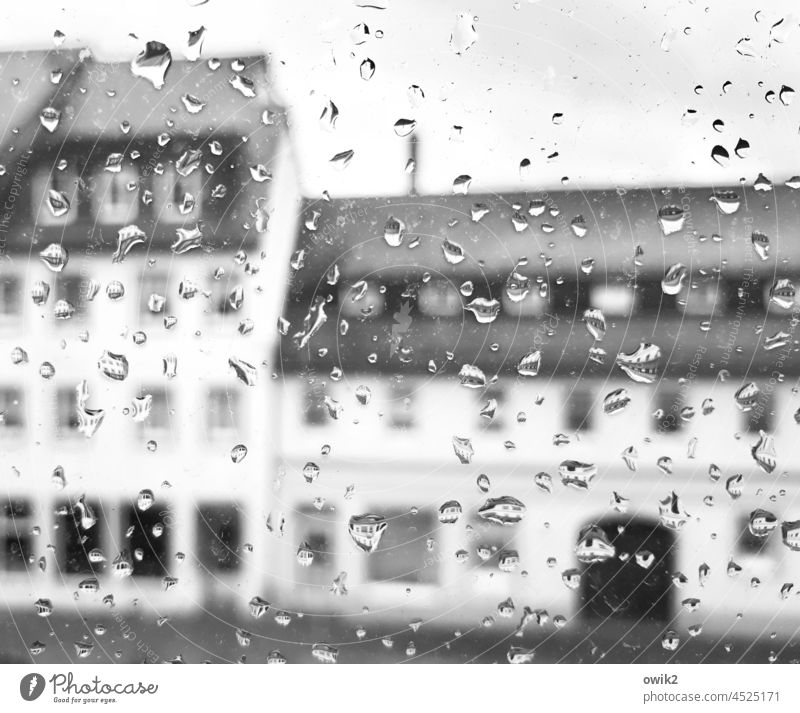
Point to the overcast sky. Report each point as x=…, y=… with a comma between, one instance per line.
x=622, y=74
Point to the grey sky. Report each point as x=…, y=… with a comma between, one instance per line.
x=622, y=74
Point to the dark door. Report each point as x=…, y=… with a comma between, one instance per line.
x=626, y=589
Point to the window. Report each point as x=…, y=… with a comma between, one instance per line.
x=314, y=405
x=10, y=297
x=484, y=542
x=218, y=537
x=401, y=414
x=490, y=408
x=762, y=416
x=534, y=305
x=76, y=543
x=153, y=283
x=71, y=289
x=618, y=588
x=568, y=297
x=746, y=542
x=613, y=300
x=578, y=410
x=371, y=304
x=222, y=410
x=315, y=529
x=51, y=212
x=158, y=419
x=668, y=413
x=702, y=300
x=177, y=198
x=116, y=196
x=15, y=526
x=439, y=298
x=749, y=297
x=149, y=541
x=66, y=413
x=13, y=416
x=650, y=298
x=402, y=555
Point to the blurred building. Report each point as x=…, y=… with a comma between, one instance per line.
x=139, y=212
x=506, y=413
x=623, y=363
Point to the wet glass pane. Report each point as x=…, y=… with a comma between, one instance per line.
x=408, y=333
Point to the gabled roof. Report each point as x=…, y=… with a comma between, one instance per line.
x=97, y=99
x=557, y=232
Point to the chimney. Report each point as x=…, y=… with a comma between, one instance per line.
x=412, y=165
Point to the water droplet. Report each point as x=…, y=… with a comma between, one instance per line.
x=616, y=401
x=113, y=366
x=152, y=63
x=304, y=556
x=671, y=219
x=763, y=452
x=463, y=449
x=671, y=512
x=245, y=372
x=727, y=202
x=461, y=184
x=747, y=396
x=367, y=69
x=593, y=546
x=530, y=364
x=342, y=159
x=674, y=278
x=544, y=482
x=89, y=420
x=485, y=310
x=49, y=118
x=762, y=183
x=760, y=244
x=404, y=127
x=187, y=239
x=56, y=257
x=453, y=252
x=393, y=232
x=595, y=323
x=367, y=530
x=720, y=155
x=194, y=44
x=782, y=293
x=472, y=377
x=463, y=34
x=449, y=512
x=325, y=653
x=641, y=365
x=43, y=607
x=670, y=641
x=505, y=510
x=577, y=474
x=517, y=287
x=238, y=453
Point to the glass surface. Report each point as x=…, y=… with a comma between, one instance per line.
x=399, y=332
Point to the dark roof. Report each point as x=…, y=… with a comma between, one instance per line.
x=105, y=109
x=96, y=98
x=350, y=232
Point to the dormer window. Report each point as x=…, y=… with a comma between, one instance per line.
x=362, y=299
x=439, y=299
x=176, y=198
x=116, y=196
x=55, y=196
